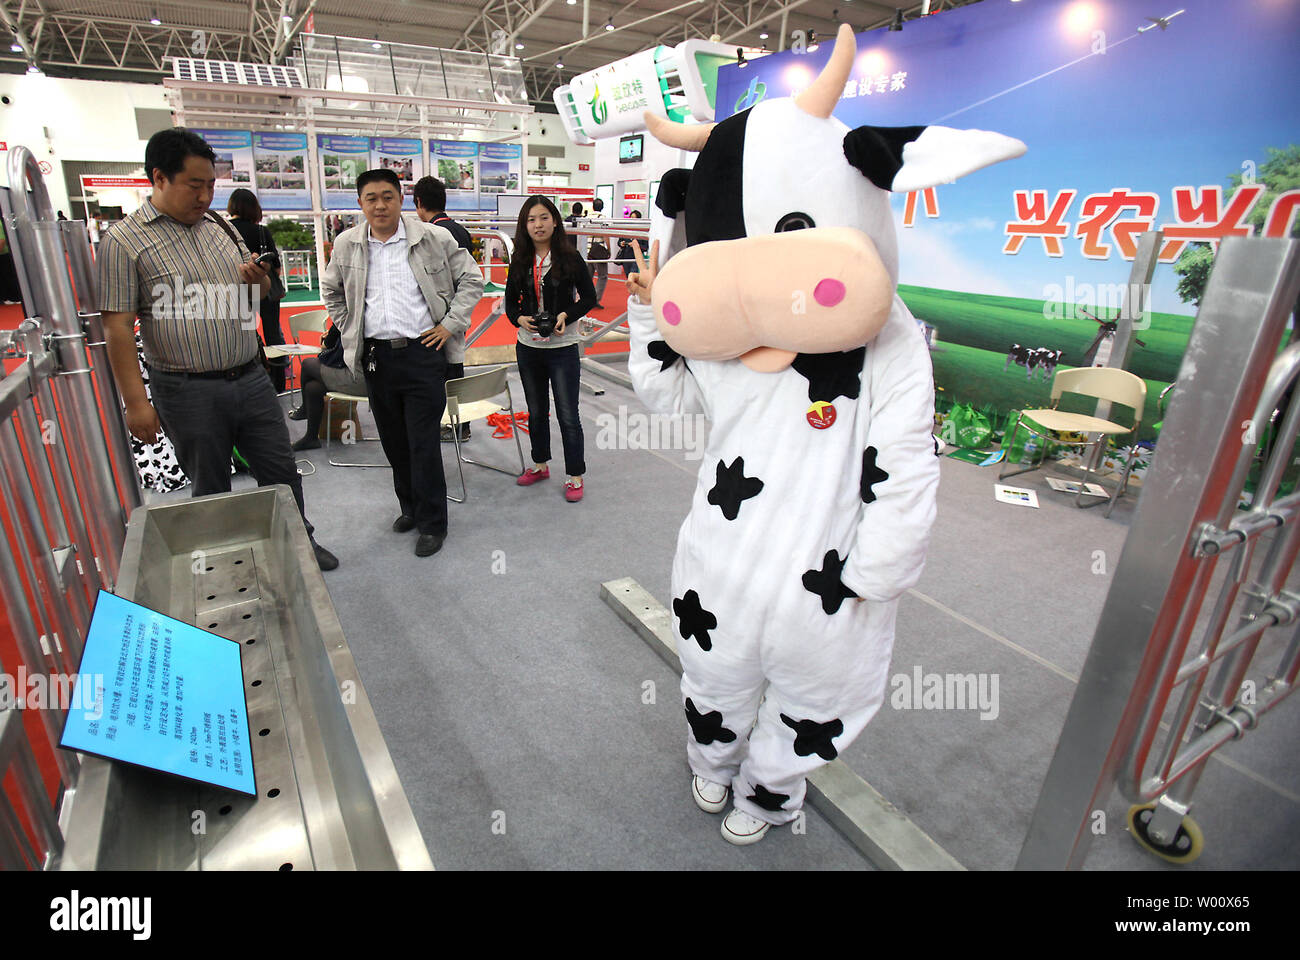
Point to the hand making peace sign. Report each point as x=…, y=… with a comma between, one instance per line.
x=639, y=283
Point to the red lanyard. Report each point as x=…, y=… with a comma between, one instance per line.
x=537, y=285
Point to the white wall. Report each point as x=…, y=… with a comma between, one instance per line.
x=87, y=120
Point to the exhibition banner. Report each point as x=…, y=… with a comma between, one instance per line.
x=1187, y=122
x=281, y=160
x=500, y=170
x=611, y=99
x=234, y=163
x=342, y=160
x=456, y=165
x=405, y=158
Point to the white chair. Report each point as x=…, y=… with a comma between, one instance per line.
x=1103, y=383
x=308, y=320
x=469, y=399
x=330, y=397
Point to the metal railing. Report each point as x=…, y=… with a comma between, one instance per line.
x=68, y=479
x=1231, y=381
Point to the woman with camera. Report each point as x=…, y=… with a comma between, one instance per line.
x=548, y=289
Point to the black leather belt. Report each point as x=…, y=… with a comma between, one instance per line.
x=234, y=373
x=395, y=344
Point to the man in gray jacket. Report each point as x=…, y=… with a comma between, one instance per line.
x=400, y=291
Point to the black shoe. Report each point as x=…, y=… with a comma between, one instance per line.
x=298, y=413
x=429, y=544
x=306, y=443
x=403, y=524
x=324, y=559
x=446, y=436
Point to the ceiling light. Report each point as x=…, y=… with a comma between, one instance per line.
x=763, y=35
x=153, y=18
x=571, y=2
x=34, y=70
x=376, y=44
x=898, y=20
x=559, y=64
x=609, y=24
x=16, y=47
x=287, y=19
x=519, y=46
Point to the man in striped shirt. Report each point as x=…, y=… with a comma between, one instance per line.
x=194, y=287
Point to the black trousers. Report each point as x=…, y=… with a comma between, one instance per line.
x=408, y=394
x=273, y=336
x=206, y=418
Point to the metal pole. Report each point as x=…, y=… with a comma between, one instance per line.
x=74, y=387
x=27, y=638
x=1241, y=321
x=30, y=531
x=86, y=286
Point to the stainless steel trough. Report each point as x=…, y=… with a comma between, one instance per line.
x=241, y=565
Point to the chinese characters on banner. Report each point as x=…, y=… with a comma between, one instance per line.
x=1111, y=222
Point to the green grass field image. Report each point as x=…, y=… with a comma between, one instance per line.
x=976, y=330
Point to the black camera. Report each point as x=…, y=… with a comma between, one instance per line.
x=545, y=323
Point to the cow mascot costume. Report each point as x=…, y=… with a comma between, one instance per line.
x=775, y=316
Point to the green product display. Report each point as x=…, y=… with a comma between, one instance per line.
x=966, y=427
x=1026, y=446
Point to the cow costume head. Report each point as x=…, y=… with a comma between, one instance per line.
x=781, y=238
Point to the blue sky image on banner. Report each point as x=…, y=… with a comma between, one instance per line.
x=1118, y=112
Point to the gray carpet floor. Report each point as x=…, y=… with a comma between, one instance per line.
x=532, y=729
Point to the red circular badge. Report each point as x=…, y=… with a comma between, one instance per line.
x=821, y=415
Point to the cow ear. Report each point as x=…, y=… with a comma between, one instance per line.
x=671, y=198
x=903, y=159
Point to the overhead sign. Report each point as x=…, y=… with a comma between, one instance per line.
x=115, y=183
x=611, y=99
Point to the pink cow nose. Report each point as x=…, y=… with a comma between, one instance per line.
x=673, y=313
x=829, y=292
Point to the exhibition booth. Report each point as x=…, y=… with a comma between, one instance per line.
x=1021, y=290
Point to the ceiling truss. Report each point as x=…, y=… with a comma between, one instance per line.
x=80, y=43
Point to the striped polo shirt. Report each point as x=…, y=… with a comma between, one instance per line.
x=183, y=283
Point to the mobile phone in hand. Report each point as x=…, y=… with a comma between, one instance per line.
x=264, y=259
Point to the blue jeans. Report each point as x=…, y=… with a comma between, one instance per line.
x=559, y=367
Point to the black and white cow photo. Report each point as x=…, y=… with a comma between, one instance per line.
x=1033, y=359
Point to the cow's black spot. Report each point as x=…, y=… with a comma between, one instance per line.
x=832, y=375
x=666, y=355
x=707, y=727
x=872, y=474
x=826, y=582
x=694, y=620
x=812, y=737
x=733, y=487
x=766, y=799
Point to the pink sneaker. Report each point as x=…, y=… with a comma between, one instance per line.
x=529, y=477
x=573, y=491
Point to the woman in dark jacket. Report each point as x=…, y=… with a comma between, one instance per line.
x=246, y=217
x=548, y=281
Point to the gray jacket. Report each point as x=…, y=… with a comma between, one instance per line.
x=448, y=277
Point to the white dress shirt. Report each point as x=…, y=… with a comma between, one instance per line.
x=395, y=305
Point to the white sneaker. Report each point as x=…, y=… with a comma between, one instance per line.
x=740, y=828
x=708, y=796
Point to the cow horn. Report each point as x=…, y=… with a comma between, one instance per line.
x=824, y=92
x=683, y=136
